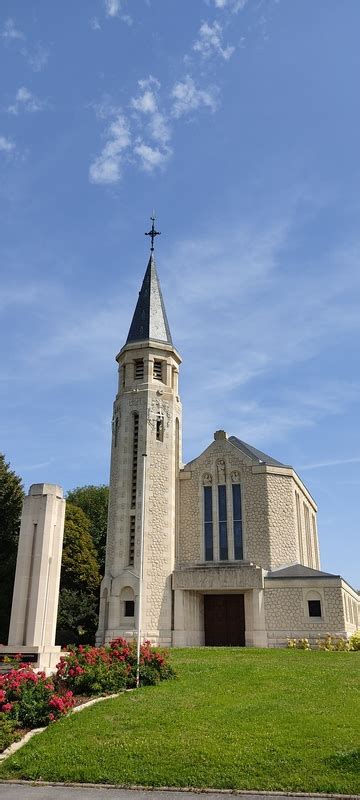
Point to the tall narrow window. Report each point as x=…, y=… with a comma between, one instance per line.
x=223, y=536
x=299, y=528
x=116, y=430
x=123, y=376
x=160, y=428
x=132, y=540
x=139, y=369
x=158, y=370
x=135, y=458
x=308, y=535
x=237, y=522
x=315, y=545
x=208, y=524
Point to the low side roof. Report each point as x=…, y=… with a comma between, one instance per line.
x=299, y=571
x=254, y=454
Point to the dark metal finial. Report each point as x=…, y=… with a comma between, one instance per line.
x=153, y=232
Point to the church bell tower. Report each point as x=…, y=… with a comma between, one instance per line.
x=145, y=459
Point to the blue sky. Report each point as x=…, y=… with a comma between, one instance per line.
x=238, y=120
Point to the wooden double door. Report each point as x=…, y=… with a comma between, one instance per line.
x=224, y=620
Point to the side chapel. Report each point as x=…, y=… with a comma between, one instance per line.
x=231, y=551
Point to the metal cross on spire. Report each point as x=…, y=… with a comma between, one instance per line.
x=153, y=232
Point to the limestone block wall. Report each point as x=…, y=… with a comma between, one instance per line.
x=286, y=610
x=269, y=514
x=281, y=519
x=253, y=498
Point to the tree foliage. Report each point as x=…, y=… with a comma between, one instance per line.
x=93, y=500
x=79, y=582
x=11, y=500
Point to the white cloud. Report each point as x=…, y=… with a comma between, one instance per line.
x=187, y=97
x=151, y=157
x=26, y=101
x=233, y=5
x=147, y=103
x=95, y=24
x=112, y=8
x=106, y=169
x=6, y=145
x=337, y=462
x=10, y=32
x=210, y=42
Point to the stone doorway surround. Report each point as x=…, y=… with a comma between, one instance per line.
x=193, y=583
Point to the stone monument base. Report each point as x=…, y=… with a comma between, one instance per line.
x=40, y=658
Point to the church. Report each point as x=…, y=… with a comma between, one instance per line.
x=228, y=543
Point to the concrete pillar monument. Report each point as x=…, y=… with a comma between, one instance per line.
x=37, y=578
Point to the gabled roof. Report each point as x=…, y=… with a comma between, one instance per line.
x=150, y=320
x=299, y=571
x=254, y=454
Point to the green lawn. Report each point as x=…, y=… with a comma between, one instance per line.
x=234, y=718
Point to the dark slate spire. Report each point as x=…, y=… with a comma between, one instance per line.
x=150, y=320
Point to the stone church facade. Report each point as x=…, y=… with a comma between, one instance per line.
x=230, y=548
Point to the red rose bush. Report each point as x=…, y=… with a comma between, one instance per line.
x=90, y=670
x=29, y=698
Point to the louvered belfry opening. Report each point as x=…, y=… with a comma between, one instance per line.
x=135, y=458
x=139, y=369
x=158, y=370
x=132, y=541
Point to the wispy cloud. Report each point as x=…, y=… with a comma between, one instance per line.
x=147, y=103
x=25, y=101
x=10, y=32
x=151, y=157
x=6, y=145
x=112, y=8
x=107, y=167
x=36, y=56
x=232, y=5
x=209, y=41
x=336, y=462
x=95, y=24
x=188, y=97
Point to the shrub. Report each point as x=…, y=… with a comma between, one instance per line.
x=8, y=733
x=331, y=643
x=91, y=670
x=102, y=670
x=29, y=699
x=303, y=644
x=354, y=642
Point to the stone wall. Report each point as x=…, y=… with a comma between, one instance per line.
x=286, y=609
x=269, y=519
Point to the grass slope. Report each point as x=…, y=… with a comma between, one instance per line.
x=234, y=718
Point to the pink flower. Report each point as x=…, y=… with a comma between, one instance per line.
x=7, y=707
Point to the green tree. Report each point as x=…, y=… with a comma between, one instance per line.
x=79, y=582
x=93, y=500
x=11, y=500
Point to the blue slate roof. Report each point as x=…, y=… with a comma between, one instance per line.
x=150, y=320
x=254, y=454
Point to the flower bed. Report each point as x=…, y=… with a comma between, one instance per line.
x=96, y=670
x=29, y=699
